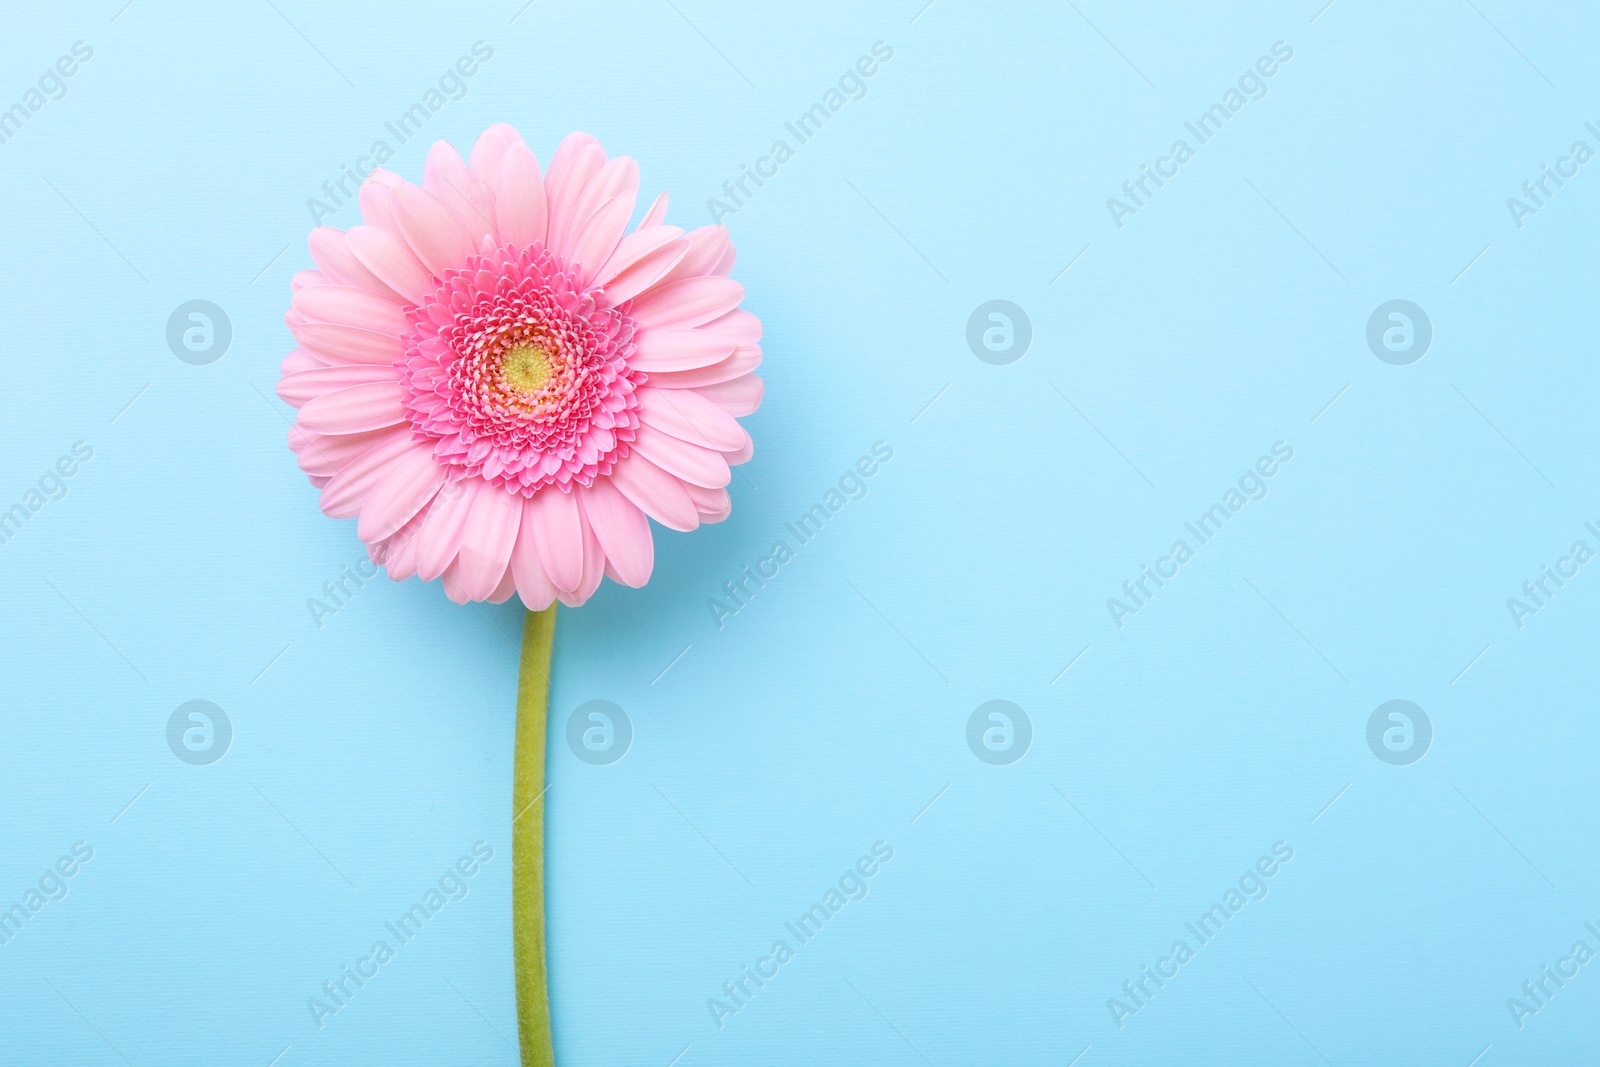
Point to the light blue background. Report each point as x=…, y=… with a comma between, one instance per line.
x=369, y=754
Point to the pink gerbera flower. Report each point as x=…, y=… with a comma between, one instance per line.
x=501, y=383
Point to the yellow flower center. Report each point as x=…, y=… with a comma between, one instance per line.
x=526, y=368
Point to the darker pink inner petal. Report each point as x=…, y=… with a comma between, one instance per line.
x=519, y=376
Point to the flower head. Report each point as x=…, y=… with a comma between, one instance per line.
x=504, y=385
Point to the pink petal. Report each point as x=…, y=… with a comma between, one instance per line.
x=640, y=261
x=413, y=480
x=487, y=541
x=738, y=397
x=521, y=210
x=622, y=530
x=334, y=258
x=655, y=492
x=710, y=253
x=737, y=323
x=597, y=239
x=439, y=540
x=347, y=344
x=350, y=306
x=602, y=215
x=670, y=350
x=399, y=553
x=459, y=190
x=503, y=591
x=344, y=494
x=594, y=569
x=635, y=246
x=558, y=527
x=713, y=504
x=701, y=466
x=742, y=454
x=388, y=257
x=355, y=409
x=323, y=456
x=299, y=360
x=617, y=178
x=433, y=233
x=453, y=587
x=299, y=387
x=688, y=416
x=490, y=149
x=533, y=585
x=577, y=160
x=687, y=303
x=657, y=213
x=737, y=365
x=376, y=199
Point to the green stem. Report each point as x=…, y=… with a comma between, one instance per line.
x=527, y=840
